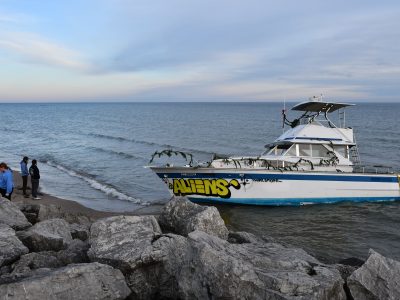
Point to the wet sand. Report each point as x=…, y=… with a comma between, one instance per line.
x=69, y=206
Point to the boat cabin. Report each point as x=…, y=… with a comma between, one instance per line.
x=313, y=142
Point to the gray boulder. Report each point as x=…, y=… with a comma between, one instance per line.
x=50, y=211
x=75, y=253
x=207, y=267
x=378, y=278
x=12, y=216
x=29, y=265
x=79, y=231
x=181, y=216
x=32, y=263
x=53, y=234
x=80, y=281
x=119, y=241
x=30, y=211
x=154, y=276
x=11, y=248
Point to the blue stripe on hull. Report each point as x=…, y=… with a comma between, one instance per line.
x=290, y=201
x=283, y=176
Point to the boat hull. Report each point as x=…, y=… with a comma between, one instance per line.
x=264, y=187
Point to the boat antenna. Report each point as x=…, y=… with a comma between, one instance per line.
x=284, y=112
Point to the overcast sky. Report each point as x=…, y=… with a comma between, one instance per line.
x=190, y=50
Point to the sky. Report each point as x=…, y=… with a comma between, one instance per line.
x=191, y=50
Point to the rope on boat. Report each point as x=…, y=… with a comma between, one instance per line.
x=169, y=152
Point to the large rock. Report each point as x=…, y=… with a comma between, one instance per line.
x=29, y=264
x=378, y=278
x=30, y=211
x=75, y=253
x=119, y=241
x=153, y=277
x=79, y=231
x=12, y=216
x=181, y=216
x=11, y=248
x=207, y=267
x=80, y=281
x=53, y=234
x=47, y=212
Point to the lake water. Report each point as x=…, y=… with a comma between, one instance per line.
x=95, y=153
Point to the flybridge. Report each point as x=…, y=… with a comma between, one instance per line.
x=317, y=110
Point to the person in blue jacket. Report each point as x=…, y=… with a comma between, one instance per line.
x=24, y=174
x=6, y=181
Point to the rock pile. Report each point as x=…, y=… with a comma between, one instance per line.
x=185, y=253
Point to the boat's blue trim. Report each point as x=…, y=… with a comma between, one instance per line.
x=289, y=201
x=312, y=138
x=314, y=177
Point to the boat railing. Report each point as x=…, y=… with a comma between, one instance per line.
x=375, y=169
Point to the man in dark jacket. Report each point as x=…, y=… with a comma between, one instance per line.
x=35, y=176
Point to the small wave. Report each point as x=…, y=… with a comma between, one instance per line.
x=119, y=153
x=118, y=138
x=107, y=189
x=12, y=130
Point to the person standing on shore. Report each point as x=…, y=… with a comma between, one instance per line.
x=6, y=181
x=35, y=176
x=24, y=174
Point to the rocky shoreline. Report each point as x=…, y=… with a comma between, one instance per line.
x=186, y=252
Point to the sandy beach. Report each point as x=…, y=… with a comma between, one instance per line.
x=69, y=206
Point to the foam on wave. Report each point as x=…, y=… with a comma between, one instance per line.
x=108, y=190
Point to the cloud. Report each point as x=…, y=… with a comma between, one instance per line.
x=222, y=50
x=34, y=49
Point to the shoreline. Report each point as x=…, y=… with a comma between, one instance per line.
x=71, y=206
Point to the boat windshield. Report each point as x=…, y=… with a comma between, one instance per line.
x=279, y=150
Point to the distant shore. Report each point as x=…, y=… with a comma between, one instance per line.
x=70, y=206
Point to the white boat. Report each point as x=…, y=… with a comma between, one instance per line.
x=315, y=161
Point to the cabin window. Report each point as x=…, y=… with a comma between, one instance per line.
x=319, y=151
x=342, y=150
x=279, y=150
x=304, y=150
x=291, y=151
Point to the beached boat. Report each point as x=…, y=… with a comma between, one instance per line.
x=315, y=161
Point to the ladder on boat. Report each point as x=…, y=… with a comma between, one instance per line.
x=354, y=154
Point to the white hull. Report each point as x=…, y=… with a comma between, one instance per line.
x=264, y=187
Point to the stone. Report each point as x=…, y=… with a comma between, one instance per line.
x=78, y=281
x=51, y=211
x=203, y=266
x=53, y=234
x=377, y=278
x=11, y=248
x=30, y=211
x=153, y=278
x=5, y=270
x=12, y=216
x=119, y=241
x=181, y=216
x=75, y=253
x=32, y=261
x=29, y=264
x=79, y=231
